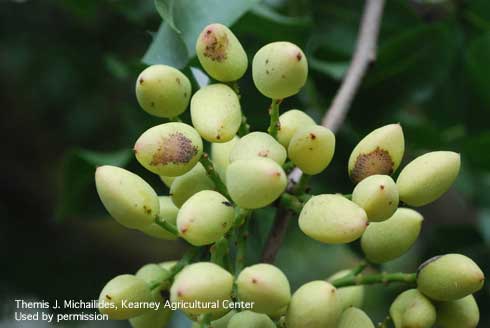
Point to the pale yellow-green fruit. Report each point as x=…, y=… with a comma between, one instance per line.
x=218, y=323
x=129, y=199
x=163, y=91
x=264, y=285
x=380, y=152
x=205, y=218
x=290, y=122
x=258, y=144
x=167, y=265
x=220, y=154
x=378, y=196
x=332, y=219
x=428, y=177
x=449, y=277
x=354, y=318
x=279, y=69
x=462, y=313
x=216, y=113
x=153, y=274
x=255, y=183
x=203, y=282
x=312, y=148
x=249, y=319
x=352, y=296
x=190, y=183
x=153, y=318
x=220, y=53
x=168, y=212
x=411, y=309
x=167, y=180
x=390, y=239
x=169, y=149
x=123, y=288
x=313, y=305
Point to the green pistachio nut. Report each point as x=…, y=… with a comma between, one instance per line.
x=220, y=53
x=205, y=218
x=249, y=319
x=167, y=181
x=153, y=274
x=313, y=305
x=169, y=149
x=411, y=309
x=332, y=219
x=205, y=282
x=462, y=313
x=380, y=152
x=279, y=70
x=428, y=177
x=352, y=296
x=218, y=323
x=449, y=277
x=129, y=199
x=124, y=288
x=258, y=144
x=264, y=285
x=153, y=317
x=390, y=239
x=168, y=212
x=378, y=196
x=255, y=183
x=290, y=122
x=354, y=318
x=163, y=91
x=312, y=148
x=190, y=183
x=167, y=265
x=220, y=154
x=216, y=113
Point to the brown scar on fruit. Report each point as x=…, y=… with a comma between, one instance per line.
x=299, y=56
x=177, y=80
x=381, y=187
x=147, y=209
x=108, y=297
x=423, y=265
x=263, y=153
x=141, y=80
x=216, y=45
x=376, y=162
x=254, y=281
x=227, y=203
x=184, y=230
x=312, y=136
x=175, y=149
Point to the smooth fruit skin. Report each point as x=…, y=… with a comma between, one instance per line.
x=428, y=177
x=352, y=296
x=462, y=313
x=332, y=219
x=312, y=148
x=249, y=319
x=169, y=149
x=449, y=277
x=290, y=122
x=258, y=144
x=167, y=265
x=218, y=323
x=411, y=309
x=313, y=305
x=124, y=287
x=163, y=91
x=279, y=70
x=129, y=199
x=216, y=113
x=390, y=239
x=153, y=318
x=190, y=183
x=379, y=152
x=264, y=285
x=153, y=273
x=205, y=217
x=255, y=183
x=378, y=196
x=220, y=154
x=168, y=212
x=221, y=54
x=204, y=282
x=354, y=318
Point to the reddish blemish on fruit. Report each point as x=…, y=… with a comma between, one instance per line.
x=254, y=281
x=376, y=162
x=215, y=45
x=141, y=80
x=299, y=56
x=312, y=136
x=175, y=148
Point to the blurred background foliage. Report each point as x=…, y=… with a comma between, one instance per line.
x=67, y=71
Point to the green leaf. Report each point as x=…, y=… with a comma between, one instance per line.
x=477, y=65
x=167, y=48
x=78, y=196
x=166, y=10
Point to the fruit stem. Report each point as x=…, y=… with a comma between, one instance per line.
x=244, y=127
x=167, y=226
x=302, y=185
x=241, y=241
x=175, y=119
x=205, y=320
x=274, y=113
x=385, y=323
x=379, y=278
x=291, y=202
x=218, y=251
x=208, y=165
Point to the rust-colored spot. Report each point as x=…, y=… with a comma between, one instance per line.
x=299, y=56
x=218, y=137
x=108, y=297
x=382, y=187
x=142, y=80
x=179, y=293
x=174, y=148
x=263, y=153
x=376, y=162
x=254, y=281
x=216, y=45
x=227, y=203
x=147, y=209
x=277, y=174
x=312, y=136
x=184, y=230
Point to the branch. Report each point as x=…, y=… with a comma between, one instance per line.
x=208, y=165
x=274, y=113
x=380, y=278
x=364, y=54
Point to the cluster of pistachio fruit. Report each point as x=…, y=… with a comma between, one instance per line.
x=212, y=197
